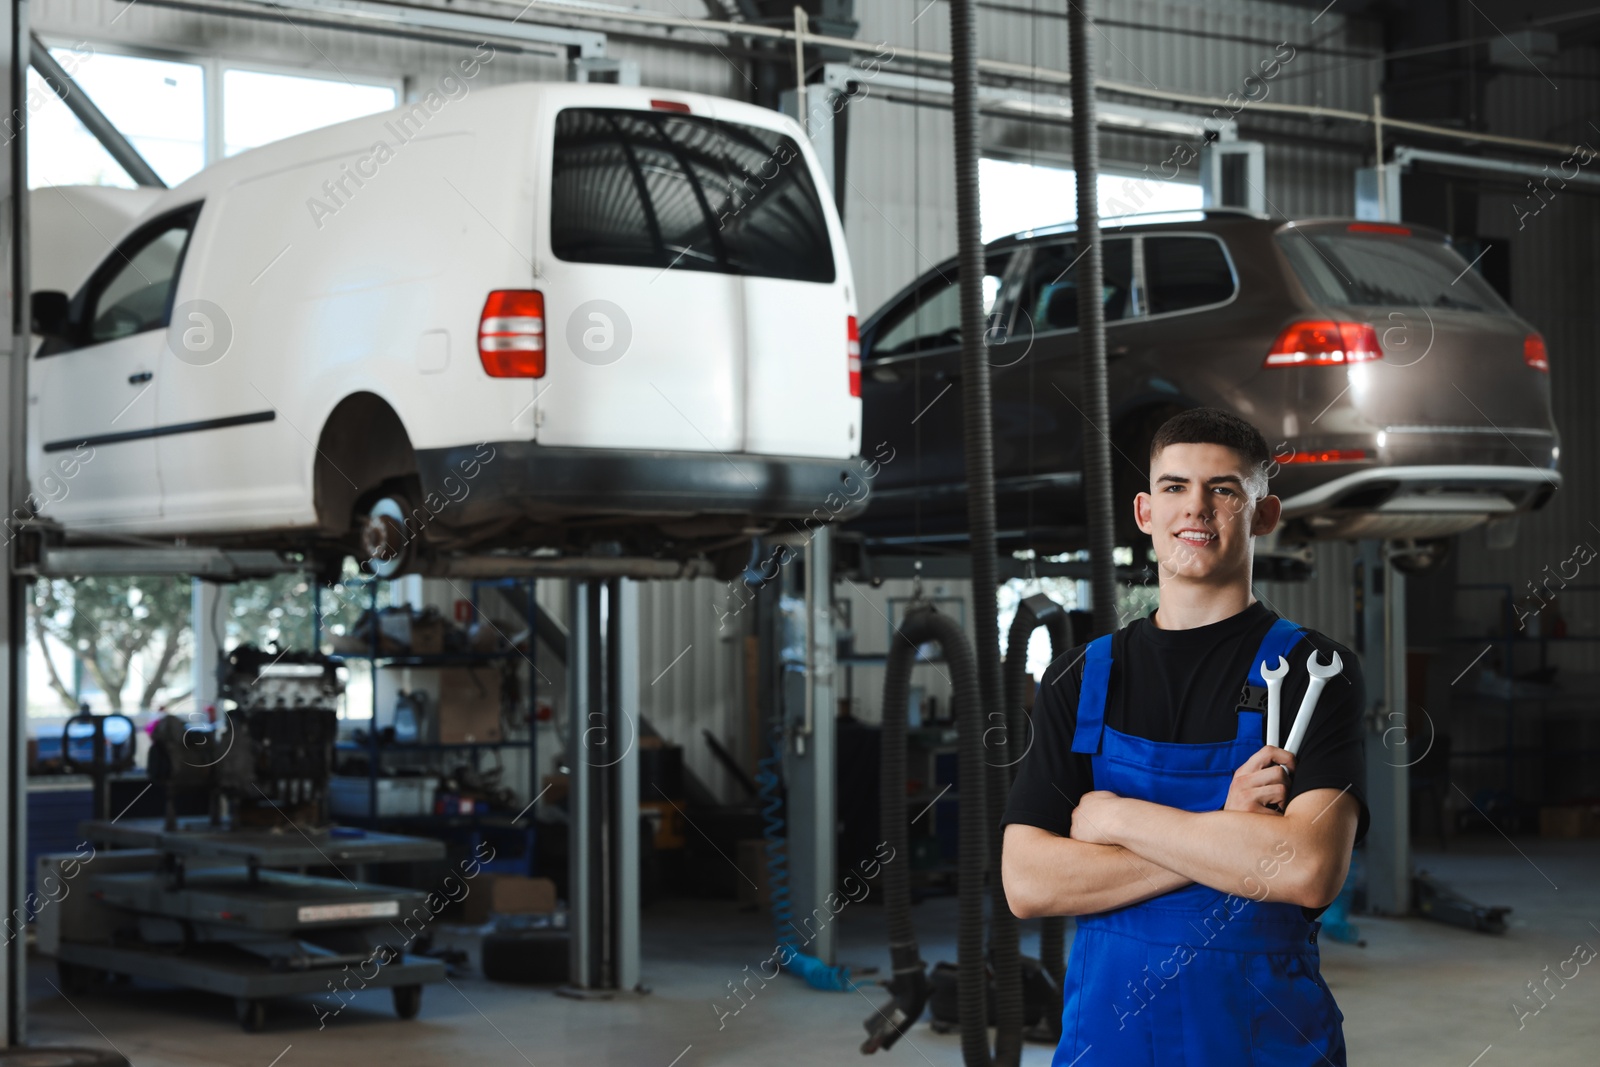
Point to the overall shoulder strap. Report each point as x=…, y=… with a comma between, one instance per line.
x=1092, y=696
x=1283, y=636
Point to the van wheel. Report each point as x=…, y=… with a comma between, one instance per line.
x=386, y=547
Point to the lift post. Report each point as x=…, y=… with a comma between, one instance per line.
x=1380, y=630
x=810, y=756
x=603, y=759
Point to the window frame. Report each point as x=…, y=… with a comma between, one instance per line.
x=936, y=280
x=722, y=128
x=212, y=67
x=111, y=267
x=1227, y=256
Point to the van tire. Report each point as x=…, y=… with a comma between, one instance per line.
x=383, y=549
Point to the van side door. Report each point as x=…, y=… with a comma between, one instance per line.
x=92, y=395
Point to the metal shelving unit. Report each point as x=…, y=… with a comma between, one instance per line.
x=1579, y=701
x=376, y=750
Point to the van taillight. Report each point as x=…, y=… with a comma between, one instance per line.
x=1324, y=344
x=511, y=334
x=1534, y=354
x=853, y=348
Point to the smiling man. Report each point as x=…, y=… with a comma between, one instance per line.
x=1196, y=856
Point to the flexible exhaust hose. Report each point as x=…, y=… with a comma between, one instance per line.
x=987, y=692
x=1064, y=629
x=1096, y=445
x=910, y=985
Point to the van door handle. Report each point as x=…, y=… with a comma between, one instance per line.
x=140, y=378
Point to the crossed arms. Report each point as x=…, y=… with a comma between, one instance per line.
x=1122, y=851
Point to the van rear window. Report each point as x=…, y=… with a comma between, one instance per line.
x=1382, y=270
x=667, y=190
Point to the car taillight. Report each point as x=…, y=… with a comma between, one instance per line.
x=1326, y=455
x=1379, y=227
x=853, y=348
x=1534, y=354
x=511, y=334
x=1324, y=344
x=670, y=105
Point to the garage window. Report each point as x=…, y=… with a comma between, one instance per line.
x=1186, y=272
x=649, y=189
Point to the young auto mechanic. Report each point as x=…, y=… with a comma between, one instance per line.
x=1195, y=855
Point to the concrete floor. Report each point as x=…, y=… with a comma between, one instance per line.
x=1419, y=993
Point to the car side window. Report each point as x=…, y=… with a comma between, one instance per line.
x=132, y=291
x=931, y=317
x=1050, y=294
x=1184, y=272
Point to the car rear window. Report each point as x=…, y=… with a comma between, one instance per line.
x=1386, y=270
x=1186, y=272
x=667, y=190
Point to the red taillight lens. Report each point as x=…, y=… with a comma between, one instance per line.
x=670, y=105
x=1324, y=344
x=1326, y=455
x=511, y=334
x=1534, y=354
x=853, y=347
x=1378, y=227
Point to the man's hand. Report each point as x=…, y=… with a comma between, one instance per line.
x=1094, y=816
x=1260, y=785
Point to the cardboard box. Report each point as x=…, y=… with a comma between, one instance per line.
x=469, y=705
x=427, y=634
x=515, y=894
x=1570, y=821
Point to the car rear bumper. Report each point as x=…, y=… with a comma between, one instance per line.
x=1419, y=501
x=489, y=482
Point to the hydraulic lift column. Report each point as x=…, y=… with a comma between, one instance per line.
x=14, y=591
x=1380, y=592
x=603, y=758
x=809, y=759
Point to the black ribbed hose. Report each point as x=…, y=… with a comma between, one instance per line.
x=1067, y=631
x=978, y=435
x=1096, y=446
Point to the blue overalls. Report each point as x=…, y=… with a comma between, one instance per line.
x=1194, y=977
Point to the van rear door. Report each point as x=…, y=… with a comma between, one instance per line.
x=643, y=321
x=697, y=294
x=781, y=236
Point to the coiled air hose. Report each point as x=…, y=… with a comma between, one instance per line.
x=909, y=985
x=769, y=777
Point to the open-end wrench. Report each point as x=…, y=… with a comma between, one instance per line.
x=1274, y=679
x=1308, y=704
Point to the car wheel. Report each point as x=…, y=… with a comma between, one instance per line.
x=387, y=547
x=1419, y=555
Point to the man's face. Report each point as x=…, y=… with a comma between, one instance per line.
x=1200, y=515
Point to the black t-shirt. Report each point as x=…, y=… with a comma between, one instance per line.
x=1184, y=686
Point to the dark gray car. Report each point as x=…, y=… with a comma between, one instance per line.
x=1400, y=394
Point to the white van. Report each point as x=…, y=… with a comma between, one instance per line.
x=540, y=315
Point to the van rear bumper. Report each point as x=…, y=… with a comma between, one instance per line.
x=499, y=479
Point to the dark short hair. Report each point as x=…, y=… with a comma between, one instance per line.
x=1213, y=426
